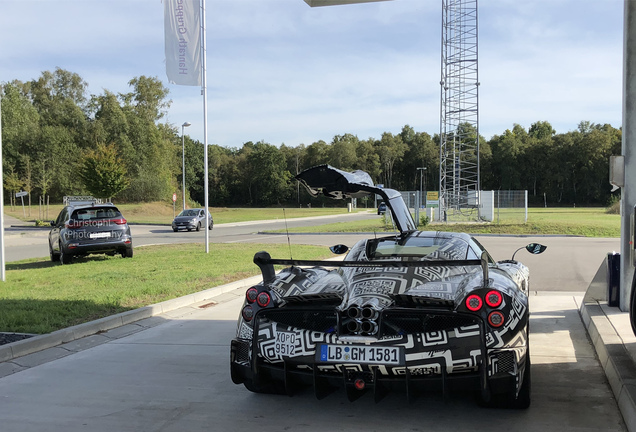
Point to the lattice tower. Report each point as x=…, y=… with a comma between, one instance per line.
x=459, y=122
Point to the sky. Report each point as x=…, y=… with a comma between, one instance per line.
x=284, y=73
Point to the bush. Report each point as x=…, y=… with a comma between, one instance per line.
x=424, y=220
x=614, y=205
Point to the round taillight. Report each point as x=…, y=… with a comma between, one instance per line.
x=496, y=319
x=263, y=299
x=473, y=302
x=494, y=299
x=251, y=294
x=359, y=384
x=248, y=313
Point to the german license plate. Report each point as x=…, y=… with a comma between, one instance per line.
x=360, y=354
x=99, y=235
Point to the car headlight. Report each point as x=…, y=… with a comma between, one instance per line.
x=193, y=220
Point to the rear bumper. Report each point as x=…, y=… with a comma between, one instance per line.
x=293, y=376
x=79, y=248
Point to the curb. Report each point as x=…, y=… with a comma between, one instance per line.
x=34, y=344
x=616, y=361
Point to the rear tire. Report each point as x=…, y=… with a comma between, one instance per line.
x=65, y=258
x=128, y=253
x=508, y=399
x=523, y=400
x=54, y=256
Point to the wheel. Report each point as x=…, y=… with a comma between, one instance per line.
x=128, y=253
x=65, y=258
x=211, y=225
x=54, y=256
x=175, y=229
x=508, y=399
x=189, y=229
x=523, y=400
x=199, y=226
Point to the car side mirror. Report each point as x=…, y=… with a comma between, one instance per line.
x=52, y=223
x=339, y=249
x=533, y=248
x=536, y=248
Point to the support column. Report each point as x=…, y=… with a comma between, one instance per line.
x=628, y=192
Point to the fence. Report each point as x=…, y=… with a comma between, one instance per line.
x=508, y=206
x=500, y=206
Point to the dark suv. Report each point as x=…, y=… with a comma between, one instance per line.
x=84, y=228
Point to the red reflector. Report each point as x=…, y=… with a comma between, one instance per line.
x=359, y=384
x=251, y=294
x=496, y=319
x=248, y=313
x=263, y=299
x=473, y=302
x=494, y=298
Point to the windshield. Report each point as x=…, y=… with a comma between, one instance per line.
x=189, y=212
x=434, y=248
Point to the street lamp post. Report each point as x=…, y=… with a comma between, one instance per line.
x=419, y=201
x=184, y=125
x=421, y=170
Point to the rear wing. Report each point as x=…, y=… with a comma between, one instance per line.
x=266, y=263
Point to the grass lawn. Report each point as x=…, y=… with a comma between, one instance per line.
x=587, y=222
x=40, y=296
x=162, y=213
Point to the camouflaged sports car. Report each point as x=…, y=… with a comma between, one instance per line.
x=412, y=312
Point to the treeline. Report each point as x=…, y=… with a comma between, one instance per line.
x=57, y=141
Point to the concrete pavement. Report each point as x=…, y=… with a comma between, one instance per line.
x=169, y=372
x=165, y=367
x=610, y=331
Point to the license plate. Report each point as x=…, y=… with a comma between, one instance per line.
x=99, y=235
x=360, y=354
x=285, y=344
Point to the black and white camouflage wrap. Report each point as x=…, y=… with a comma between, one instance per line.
x=439, y=291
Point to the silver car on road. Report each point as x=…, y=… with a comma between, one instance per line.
x=192, y=219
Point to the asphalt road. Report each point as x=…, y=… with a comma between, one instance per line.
x=568, y=265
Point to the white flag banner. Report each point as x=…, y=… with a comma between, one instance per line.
x=182, y=22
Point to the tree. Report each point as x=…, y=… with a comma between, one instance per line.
x=391, y=149
x=270, y=178
x=342, y=152
x=12, y=182
x=103, y=172
x=317, y=154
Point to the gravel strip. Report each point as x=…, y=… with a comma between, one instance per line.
x=6, y=338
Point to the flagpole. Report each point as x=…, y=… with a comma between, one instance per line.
x=205, y=124
x=2, y=258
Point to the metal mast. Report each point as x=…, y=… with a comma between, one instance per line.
x=459, y=122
